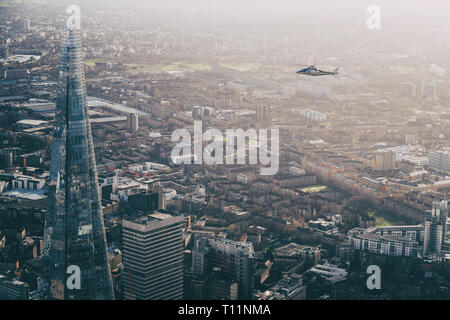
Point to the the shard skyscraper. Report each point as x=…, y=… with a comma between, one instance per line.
x=74, y=233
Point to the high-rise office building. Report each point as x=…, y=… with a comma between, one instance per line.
x=384, y=160
x=153, y=257
x=234, y=259
x=74, y=233
x=439, y=160
x=409, y=89
x=429, y=90
x=12, y=289
x=197, y=113
x=148, y=201
x=263, y=113
x=133, y=122
x=435, y=228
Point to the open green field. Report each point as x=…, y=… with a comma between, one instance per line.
x=380, y=221
x=182, y=66
x=312, y=189
x=187, y=66
x=242, y=66
x=158, y=67
x=175, y=66
x=190, y=66
x=249, y=67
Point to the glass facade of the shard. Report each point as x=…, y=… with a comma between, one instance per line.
x=74, y=233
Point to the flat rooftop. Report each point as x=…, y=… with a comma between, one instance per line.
x=146, y=222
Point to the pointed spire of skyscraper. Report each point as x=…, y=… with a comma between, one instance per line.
x=74, y=233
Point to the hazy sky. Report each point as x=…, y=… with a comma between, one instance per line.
x=409, y=13
x=400, y=8
x=403, y=22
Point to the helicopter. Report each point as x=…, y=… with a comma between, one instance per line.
x=313, y=71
